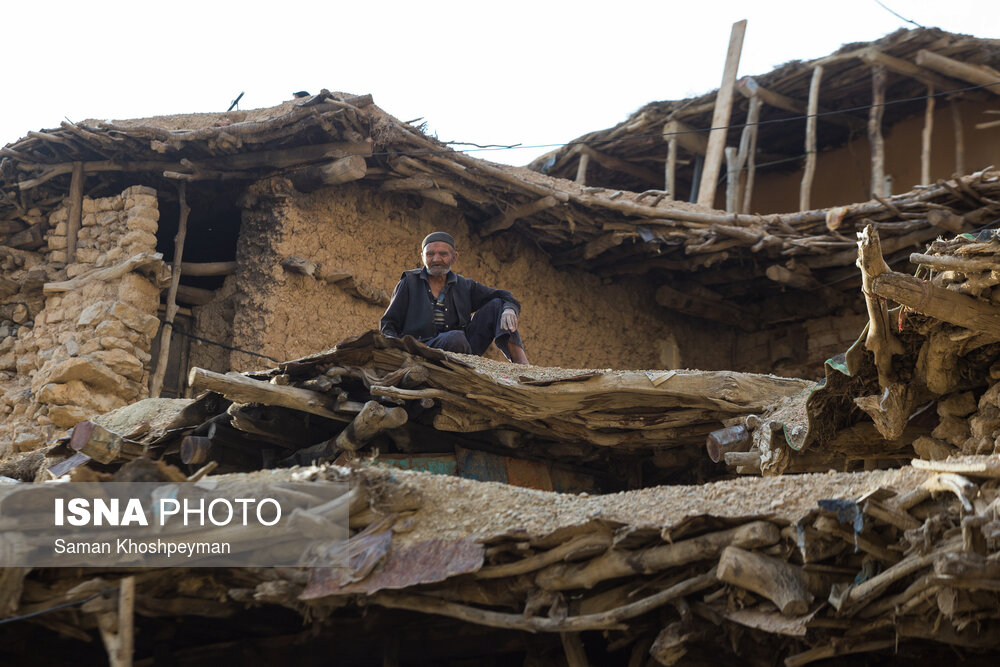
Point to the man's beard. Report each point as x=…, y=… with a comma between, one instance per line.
x=438, y=269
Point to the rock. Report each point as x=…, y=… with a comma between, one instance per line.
x=139, y=238
x=90, y=372
x=8, y=362
x=931, y=449
x=111, y=328
x=79, y=394
x=27, y=440
x=135, y=319
x=143, y=220
x=109, y=218
x=57, y=256
x=66, y=416
x=93, y=314
x=137, y=291
x=88, y=255
x=121, y=362
x=89, y=205
x=56, y=242
x=951, y=430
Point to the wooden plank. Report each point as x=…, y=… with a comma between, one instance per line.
x=980, y=75
x=75, y=211
x=720, y=118
x=875, y=139
x=809, y=171
x=925, y=138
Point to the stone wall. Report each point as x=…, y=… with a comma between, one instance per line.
x=85, y=351
x=570, y=318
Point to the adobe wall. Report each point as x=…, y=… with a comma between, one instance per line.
x=843, y=175
x=569, y=317
x=82, y=352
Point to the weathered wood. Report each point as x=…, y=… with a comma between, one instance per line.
x=980, y=75
x=938, y=302
x=151, y=262
x=587, y=543
x=809, y=171
x=200, y=269
x=508, y=218
x=780, y=582
x=617, y=164
x=581, y=168
x=953, y=263
x=880, y=341
x=688, y=137
x=748, y=152
x=670, y=169
x=732, y=178
x=749, y=87
x=873, y=56
x=338, y=172
x=166, y=331
x=925, y=138
x=956, y=121
x=196, y=296
x=618, y=563
x=126, y=621
x=875, y=139
x=373, y=419
x=242, y=389
x=572, y=645
x=31, y=238
x=720, y=117
x=75, y=211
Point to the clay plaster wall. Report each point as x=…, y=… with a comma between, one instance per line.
x=843, y=175
x=569, y=317
x=84, y=351
x=798, y=350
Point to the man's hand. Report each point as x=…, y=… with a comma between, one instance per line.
x=508, y=320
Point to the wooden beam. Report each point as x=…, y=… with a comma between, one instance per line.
x=805, y=189
x=156, y=382
x=925, y=138
x=75, y=211
x=720, y=118
x=344, y=170
x=980, y=75
x=196, y=296
x=139, y=262
x=748, y=151
x=208, y=268
x=956, y=120
x=937, y=302
x=31, y=238
x=505, y=220
x=873, y=56
x=749, y=87
x=875, y=139
x=617, y=164
x=242, y=389
x=581, y=168
x=688, y=137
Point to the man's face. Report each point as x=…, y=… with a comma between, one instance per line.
x=438, y=258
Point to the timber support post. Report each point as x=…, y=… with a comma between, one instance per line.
x=156, y=382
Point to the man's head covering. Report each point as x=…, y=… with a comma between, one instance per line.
x=438, y=236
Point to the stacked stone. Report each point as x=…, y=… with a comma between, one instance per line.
x=88, y=351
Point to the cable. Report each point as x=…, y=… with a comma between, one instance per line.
x=218, y=344
x=59, y=606
x=897, y=15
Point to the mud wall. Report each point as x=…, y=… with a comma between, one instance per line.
x=798, y=350
x=569, y=318
x=79, y=353
x=843, y=175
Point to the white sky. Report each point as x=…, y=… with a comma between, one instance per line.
x=535, y=72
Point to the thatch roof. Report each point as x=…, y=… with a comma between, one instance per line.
x=846, y=90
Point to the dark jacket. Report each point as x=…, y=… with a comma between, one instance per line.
x=410, y=312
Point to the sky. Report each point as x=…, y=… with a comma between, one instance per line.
x=536, y=73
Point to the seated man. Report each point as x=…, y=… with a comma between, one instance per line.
x=436, y=306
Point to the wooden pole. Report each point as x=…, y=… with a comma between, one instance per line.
x=720, y=118
x=980, y=75
x=810, y=169
x=573, y=648
x=875, y=131
x=956, y=119
x=732, y=178
x=126, y=621
x=925, y=137
x=753, y=116
x=75, y=211
x=156, y=383
x=670, y=174
x=581, y=169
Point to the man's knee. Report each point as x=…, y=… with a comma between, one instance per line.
x=452, y=341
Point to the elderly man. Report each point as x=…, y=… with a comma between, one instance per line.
x=436, y=306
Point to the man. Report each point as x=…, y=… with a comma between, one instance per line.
x=436, y=306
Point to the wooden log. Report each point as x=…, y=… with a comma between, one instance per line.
x=150, y=262
x=31, y=238
x=241, y=389
x=622, y=563
x=126, y=621
x=953, y=263
x=373, y=419
x=613, y=163
x=880, y=340
x=572, y=645
x=196, y=296
x=943, y=304
x=581, y=168
x=166, y=331
x=875, y=139
x=748, y=152
x=873, y=56
x=338, y=172
x=778, y=581
x=581, y=544
x=506, y=219
x=720, y=117
x=925, y=138
x=200, y=269
x=75, y=211
x=670, y=169
x=987, y=468
x=613, y=619
x=732, y=178
x=956, y=121
x=688, y=137
x=980, y=75
x=809, y=171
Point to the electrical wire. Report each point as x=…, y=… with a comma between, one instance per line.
x=57, y=607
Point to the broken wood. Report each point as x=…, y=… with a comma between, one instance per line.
x=778, y=581
x=242, y=389
x=373, y=419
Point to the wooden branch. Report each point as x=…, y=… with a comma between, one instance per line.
x=988, y=468
x=880, y=340
x=937, y=302
x=621, y=563
x=952, y=263
x=873, y=56
x=242, y=389
x=126, y=621
x=344, y=170
x=156, y=382
x=75, y=211
x=925, y=138
x=580, y=544
x=956, y=121
x=720, y=117
x=809, y=171
x=608, y=620
x=781, y=583
x=505, y=220
x=980, y=75
x=208, y=268
x=875, y=139
x=572, y=645
x=617, y=164
x=373, y=419
x=748, y=151
x=670, y=169
x=135, y=263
